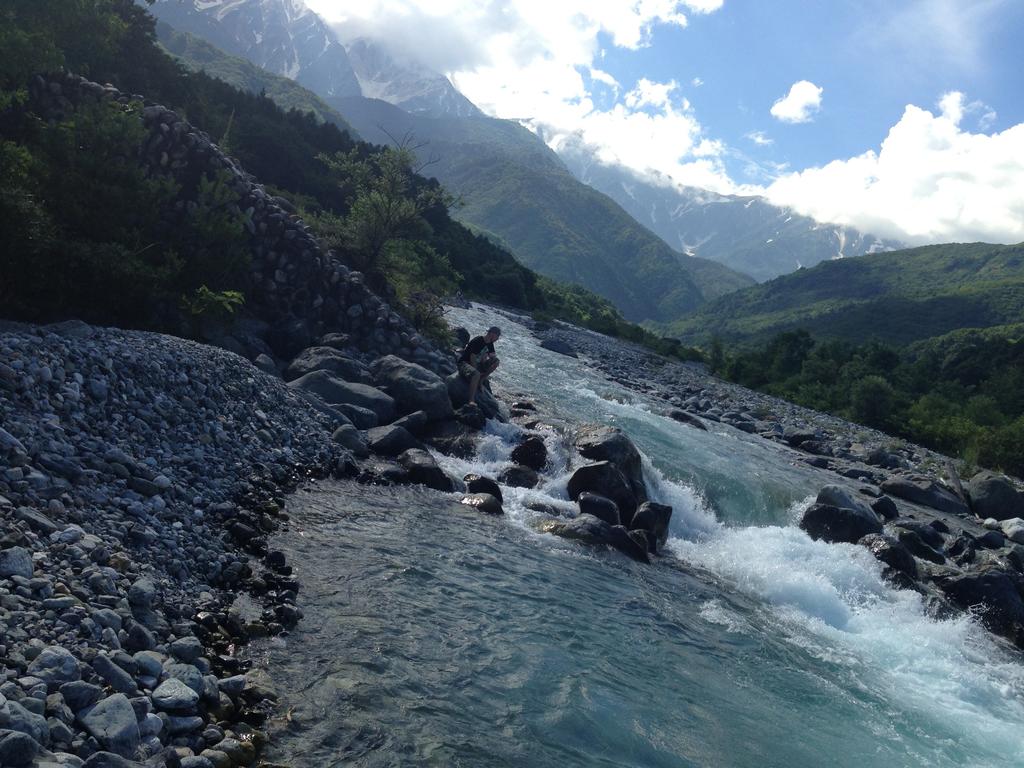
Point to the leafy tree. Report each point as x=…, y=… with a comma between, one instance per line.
x=871, y=401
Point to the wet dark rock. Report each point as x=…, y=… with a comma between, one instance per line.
x=653, y=518
x=17, y=749
x=995, y=496
x=925, y=492
x=519, y=476
x=391, y=440
x=423, y=470
x=413, y=387
x=917, y=546
x=531, y=453
x=484, y=502
x=593, y=530
x=604, y=479
x=929, y=535
x=480, y=484
x=471, y=415
x=451, y=438
x=797, y=436
x=600, y=507
x=839, y=524
x=991, y=540
x=886, y=508
x=995, y=592
x=602, y=443
x=891, y=552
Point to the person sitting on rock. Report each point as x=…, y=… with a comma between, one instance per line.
x=478, y=360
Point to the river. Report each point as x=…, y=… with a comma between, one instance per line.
x=435, y=636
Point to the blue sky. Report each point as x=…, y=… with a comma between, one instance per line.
x=903, y=118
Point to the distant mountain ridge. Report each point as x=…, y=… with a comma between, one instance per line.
x=513, y=184
x=899, y=297
x=747, y=234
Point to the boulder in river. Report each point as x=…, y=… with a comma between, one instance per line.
x=596, y=531
x=994, y=496
x=423, y=470
x=653, y=518
x=996, y=592
x=480, y=484
x=839, y=524
x=600, y=507
x=485, y=502
x=413, y=387
x=451, y=438
x=601, y=443
x=604, y=479
x=531, y=453
x=925, y=492
x=892, y=553
x=519, y=476
x=685, y=417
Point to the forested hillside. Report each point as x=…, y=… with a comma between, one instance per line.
x=897, y=297
x=81, y=219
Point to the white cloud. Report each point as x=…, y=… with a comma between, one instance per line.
x=800, y=104
x=696, y=82
x=760, y=138
x=930, y=181
x=536, y=60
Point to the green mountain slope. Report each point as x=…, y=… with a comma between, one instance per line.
x=200, y=56
x=515, y=187
x=897, y=297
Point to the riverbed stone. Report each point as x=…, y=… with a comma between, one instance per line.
x=532, y=453
x=54, y=666
x=324, y=358
x=424, y=470
x=599, y=443
x=926, y=492
x=15, y=561
x=518, y=476
x=604, y=479
x=391, y=440
x=172, y=695
x=17, y=749
x=892, y=553
x=994, y=495
x=113, y=724
x=334, y=390
x=839, y=524
x=653, y=518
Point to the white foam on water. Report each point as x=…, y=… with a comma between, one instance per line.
x=831, y=600
x=691, y=515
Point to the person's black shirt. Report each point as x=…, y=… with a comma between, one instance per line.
x=472, y=351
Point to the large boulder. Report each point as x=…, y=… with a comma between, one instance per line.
x=993, y=495
x=480, y=484
x=348, y=437
x=484, y=502
x=334, y=390
x=600, y=507
x=330, y=360
x=892, y=553
x=518, y=476
x=996, y=592
x=600, y=443
x=55, y=666
x=391, y=440
x=653, y=518
x=926, y=492
x=531, y=453
x=423, y=470
x=835, y=524
x=451, y=438
x=413, y=387
x=113, y=724
x=560, y=346
x=458, y=393
x=15, y=561
x=838, y=496
x=605, y=479
x=593, y=530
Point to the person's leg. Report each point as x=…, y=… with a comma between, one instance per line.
x=474, y=383
x=489, y=367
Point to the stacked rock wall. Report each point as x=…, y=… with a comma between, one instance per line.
x=297, y=288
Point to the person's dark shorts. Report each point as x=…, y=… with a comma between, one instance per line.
x=467, y=371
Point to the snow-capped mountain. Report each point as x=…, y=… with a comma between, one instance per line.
x=405, y=83
x=281, y=36
x=748, y=234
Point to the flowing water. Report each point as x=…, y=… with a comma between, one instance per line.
x=435, y=636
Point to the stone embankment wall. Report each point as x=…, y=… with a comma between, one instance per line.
x=298, y=290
